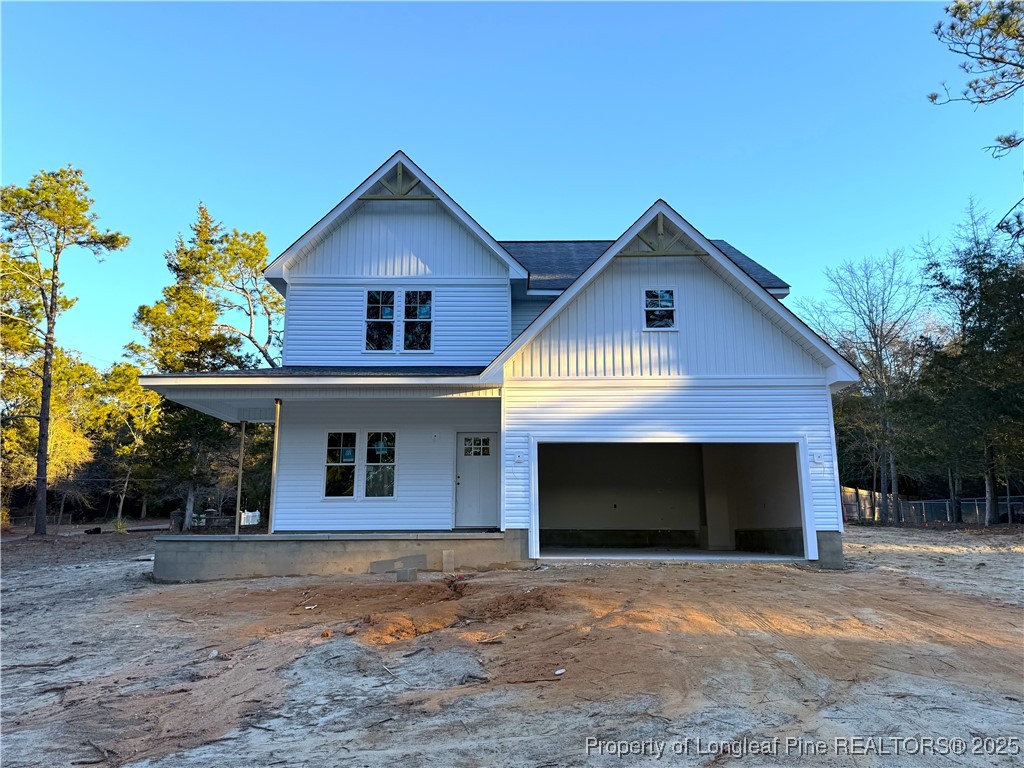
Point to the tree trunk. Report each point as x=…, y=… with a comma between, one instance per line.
x=43, y=449
x=991, y=500
x=190, y=505
x=145, y=501
x=60, y=513
x=856, y=495
x=897, y=513
x=954, y=503
x=883, y=477
x=124, y=492
x=1009, y=509
x=872, y=497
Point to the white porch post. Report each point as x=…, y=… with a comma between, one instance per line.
x=238, y=492
x=273, y=464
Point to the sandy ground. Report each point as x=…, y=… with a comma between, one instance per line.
x=921, y=637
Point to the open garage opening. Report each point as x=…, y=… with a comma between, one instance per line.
x=616, y=499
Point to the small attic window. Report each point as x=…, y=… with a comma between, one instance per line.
x=660, y=309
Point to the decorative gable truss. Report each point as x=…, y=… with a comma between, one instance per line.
x=398, y=184
x=661, y=231
x=661, y=238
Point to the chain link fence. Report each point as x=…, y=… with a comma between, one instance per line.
x=860, y=506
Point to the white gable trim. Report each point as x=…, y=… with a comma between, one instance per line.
x=839, y=370
x=275, y=270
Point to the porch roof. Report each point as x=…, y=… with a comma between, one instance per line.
x=249, y=395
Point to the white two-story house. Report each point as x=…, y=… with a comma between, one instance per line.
x=441, y=390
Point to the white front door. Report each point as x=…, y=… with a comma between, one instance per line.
x=476, y=479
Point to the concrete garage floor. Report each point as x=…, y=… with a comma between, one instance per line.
x=662, y=554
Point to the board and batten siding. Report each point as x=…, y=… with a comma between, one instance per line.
x=324, y=324
x=600, y=333
x=670, y=412
x=397, y=239
x=425, y=462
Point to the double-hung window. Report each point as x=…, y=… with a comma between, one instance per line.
x=419, y=320
x=344, y=465
x=341, y=464
x=660, y=309
x=380, y=464
x=380, y=321
x=399, y=321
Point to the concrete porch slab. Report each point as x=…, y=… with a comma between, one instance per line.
x=207, y=558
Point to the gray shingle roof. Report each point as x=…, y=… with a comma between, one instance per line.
x=285, y=371
x=555, y=264
x=766, y=278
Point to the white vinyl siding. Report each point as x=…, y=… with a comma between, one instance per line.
x=525, y=311
x=721, y=333
x=324, y=325
x=398, y=239
x=424, y=473
x=721, y=412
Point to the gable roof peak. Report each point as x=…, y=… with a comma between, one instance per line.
x=665, y=220
x=398, y=178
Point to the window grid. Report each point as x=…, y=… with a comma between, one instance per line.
x=340, y=477
x=476, y=446
x=417, y=326
x=660, y=309
x=380, y=321
x=380, y=464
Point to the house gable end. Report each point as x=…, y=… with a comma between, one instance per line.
x=396, y=184
x=679, y=239
x=716, y=330
x=396, y=238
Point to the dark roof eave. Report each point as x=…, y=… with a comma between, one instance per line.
x=285, y=372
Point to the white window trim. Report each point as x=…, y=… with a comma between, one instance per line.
x=365, y=464
x=675, y=310
x=394, y=322
x=398, y=323
x=359, y=487
x=323, y=478
x=433, y=307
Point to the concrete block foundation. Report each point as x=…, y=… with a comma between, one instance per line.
x=830, y=550
x=206, y=558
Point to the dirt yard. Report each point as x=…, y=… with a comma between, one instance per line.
x=922, y=637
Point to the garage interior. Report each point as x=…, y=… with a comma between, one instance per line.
x=669, y=499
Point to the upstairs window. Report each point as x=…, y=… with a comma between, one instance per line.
x=341, y=464
x=380, y=464
x=418, y=324
x=660, y=309
x=380, y=321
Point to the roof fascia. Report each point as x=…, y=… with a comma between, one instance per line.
x=159, y=382
x=843, y=367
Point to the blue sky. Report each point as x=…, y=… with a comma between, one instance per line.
x=799, y=132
